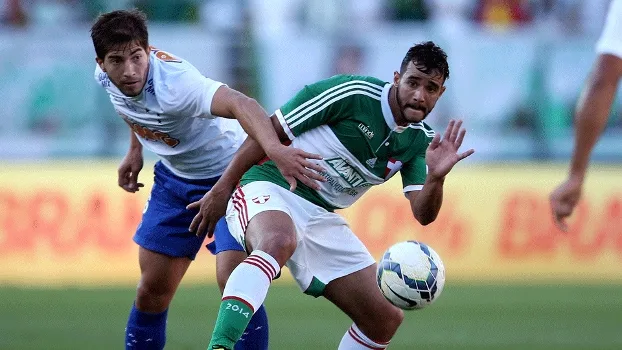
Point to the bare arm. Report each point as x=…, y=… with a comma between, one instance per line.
x=593, y=110
x=591, y=117
x=214, y=204
x=426, y=204
x=229, y=103
x=131, y=165
x=441, y=156
x=290, y=161
x=135, y=145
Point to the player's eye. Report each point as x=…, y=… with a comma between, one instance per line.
x=136, y=57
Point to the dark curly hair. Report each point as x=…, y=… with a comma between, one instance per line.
x=428, y=58
x=119, y=27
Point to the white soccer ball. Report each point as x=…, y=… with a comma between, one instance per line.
x=411, y=275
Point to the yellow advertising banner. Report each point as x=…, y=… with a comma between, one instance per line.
x=69, y=223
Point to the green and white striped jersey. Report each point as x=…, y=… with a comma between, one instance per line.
x=347, y=120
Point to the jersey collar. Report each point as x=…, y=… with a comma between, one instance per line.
x=386, y=111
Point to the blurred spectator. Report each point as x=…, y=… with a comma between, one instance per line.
x=170, y=11
x=571, y=16
x=348, y=59
x=12, y=13
x=409, y=10
x=502, y=14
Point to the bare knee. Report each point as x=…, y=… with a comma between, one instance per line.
x=280, y=247
x=154, y=296
x=272, y=232
x=381, y=327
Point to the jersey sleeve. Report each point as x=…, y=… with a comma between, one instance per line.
x=414, y=173
x=184, y=91
x=610, y=41
x=192, y=96
x=322, y=103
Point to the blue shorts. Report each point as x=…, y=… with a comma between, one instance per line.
x=165, y=222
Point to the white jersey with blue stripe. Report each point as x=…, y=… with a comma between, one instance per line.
x=172, y=117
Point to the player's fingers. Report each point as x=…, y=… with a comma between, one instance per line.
x=194, y=205
x=435, y=142
x=210, y=229
x=309, y=182
x=308, y=155
x=560, y=222
x=449, y=129
x=455, y=130
x=458, y=141
x=466, y=154
x=292, y=183
x=122, y=178
x=202, y=226
x=195, y=222
x=311, y=165
x=314, y=176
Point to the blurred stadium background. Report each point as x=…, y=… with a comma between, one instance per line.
x=68, y=265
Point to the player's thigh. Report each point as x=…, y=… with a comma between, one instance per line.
x=160, y=273
x=259, y=217
x=358, y=295
x=274, y=232
x=226, y=262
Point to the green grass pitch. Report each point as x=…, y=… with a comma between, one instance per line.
x=464, y=317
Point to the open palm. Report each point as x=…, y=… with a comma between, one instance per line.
x=442, y=154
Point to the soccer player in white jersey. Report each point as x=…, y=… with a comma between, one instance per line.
x=592, y=113
x=366, y=130
x=171, y=108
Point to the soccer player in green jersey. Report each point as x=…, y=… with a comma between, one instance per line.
x=366, y=130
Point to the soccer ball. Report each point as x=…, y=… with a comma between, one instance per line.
x=411, y=275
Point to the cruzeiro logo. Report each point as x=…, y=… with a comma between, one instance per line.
x=347, y=172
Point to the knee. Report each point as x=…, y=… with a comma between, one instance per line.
x=393, y=321
x=153, y=297
x=281, y=248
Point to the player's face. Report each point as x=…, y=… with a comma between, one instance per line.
x=417, y=93
x=127, y=66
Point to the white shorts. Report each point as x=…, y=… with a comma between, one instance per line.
x=327, y=249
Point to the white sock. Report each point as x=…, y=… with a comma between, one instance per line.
x=354, y=339
x=251, y=279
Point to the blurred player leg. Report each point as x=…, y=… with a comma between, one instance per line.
x=256, y=335
x=160, y=277
x=376, y=322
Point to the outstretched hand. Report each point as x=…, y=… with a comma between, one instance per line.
x=294, y=164
x=564, y=199
x=442, y=154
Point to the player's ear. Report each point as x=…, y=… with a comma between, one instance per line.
x=396, y=78
x=442, y=90
x=100, y=62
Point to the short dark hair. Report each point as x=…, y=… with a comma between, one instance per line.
x=427, y=57
x=119, y=27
